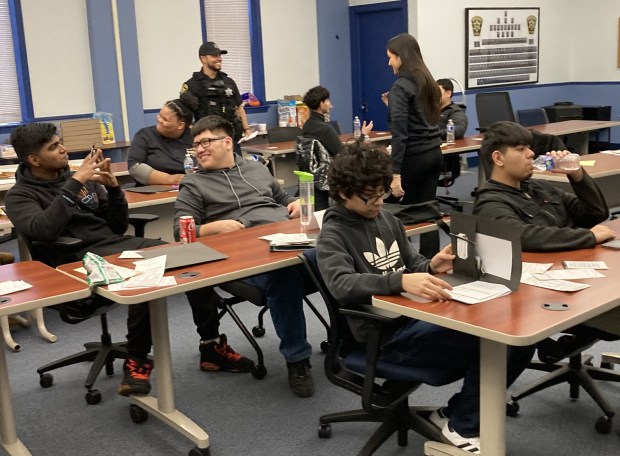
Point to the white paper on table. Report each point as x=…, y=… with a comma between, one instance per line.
x=150, y=271
x=135, y=254
x=569, y=274
x=534, y=268
x=558, y=285
x=247, y=138
x=165, y=281
x=584, y=265
x=612, y=152
x=317, y=220
x=496, y=255
x=125, y=273
x=287, y=238
x=12, y=286
x=478, y=291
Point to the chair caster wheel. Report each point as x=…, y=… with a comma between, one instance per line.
x=259, y=372
x=138, y=415
x=92, y=397
x=325, y=431
x=258, y=331
x=46, y=380
x=603, y=425
x=199, y=451
x=324, y=346
x=512, y=409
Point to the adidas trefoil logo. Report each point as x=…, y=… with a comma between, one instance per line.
x=383, y=260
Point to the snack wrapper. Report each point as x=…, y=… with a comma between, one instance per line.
x=99, y=271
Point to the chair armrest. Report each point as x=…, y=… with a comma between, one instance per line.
x=369, y=312
x=139, y=221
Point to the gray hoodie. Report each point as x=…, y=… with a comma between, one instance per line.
x=247, y=192
x=359, y=257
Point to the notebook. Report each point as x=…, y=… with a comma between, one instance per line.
x=178, y=256
x=151, y=189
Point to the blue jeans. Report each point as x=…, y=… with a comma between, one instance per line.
x=285, y=290
x=419, y=343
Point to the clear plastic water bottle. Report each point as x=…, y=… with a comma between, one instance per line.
x=188, y=163
x=357, y=127
x=570, y=162
x=306, y=198
x=450, y=132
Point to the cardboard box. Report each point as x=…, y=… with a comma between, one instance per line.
x=81, y=134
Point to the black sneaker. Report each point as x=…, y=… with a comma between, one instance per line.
x=222, y=357
x=136, y=377
x=300, y=378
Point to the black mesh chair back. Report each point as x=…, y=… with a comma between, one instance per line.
x=529, y=117
x=492, y=107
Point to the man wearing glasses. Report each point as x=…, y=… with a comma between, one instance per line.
x=230, y=193
x=364, y=251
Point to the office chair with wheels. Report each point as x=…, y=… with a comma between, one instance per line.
x=492, y=107
x=283, y=134
x=241, y=291
x=578, y=372
x=384, y=388
x=529, y=117
x=102, y=353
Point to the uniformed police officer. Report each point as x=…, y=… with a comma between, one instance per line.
x=216, y=92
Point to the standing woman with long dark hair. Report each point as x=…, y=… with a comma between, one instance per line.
x=414, y=108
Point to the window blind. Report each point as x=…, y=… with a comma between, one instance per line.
x=228, y=25
x=10, y=108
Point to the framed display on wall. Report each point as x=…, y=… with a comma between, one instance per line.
x=501, y=46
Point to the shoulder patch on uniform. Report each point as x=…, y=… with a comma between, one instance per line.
x=184, y=88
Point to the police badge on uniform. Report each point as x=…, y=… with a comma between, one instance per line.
x=184, y=88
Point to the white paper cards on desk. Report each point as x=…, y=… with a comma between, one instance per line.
x=12, y=286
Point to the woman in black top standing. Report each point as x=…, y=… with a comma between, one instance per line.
x=414, y=108
x=157, y=153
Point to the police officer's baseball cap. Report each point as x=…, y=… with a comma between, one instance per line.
x=210, y=48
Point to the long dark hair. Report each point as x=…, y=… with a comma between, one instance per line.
x=184, y=107
x=412, y=66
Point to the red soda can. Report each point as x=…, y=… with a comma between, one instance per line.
x=187, y=229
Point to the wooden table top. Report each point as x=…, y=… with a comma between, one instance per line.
x=247, y=255
x=49, y=287
x=518, y=318
x=567, y=127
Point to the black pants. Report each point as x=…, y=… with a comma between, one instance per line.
x=202, y=301
x=419, y=177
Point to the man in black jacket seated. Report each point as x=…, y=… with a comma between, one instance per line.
x=548, y=219
x=49, y=201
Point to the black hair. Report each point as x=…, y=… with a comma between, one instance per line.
x=212, y=123
x=315, y=96
x=29, y=139
x=357, y=166
x=500, y=136
x=413, y=67
x=184, y=107
x=446, y=84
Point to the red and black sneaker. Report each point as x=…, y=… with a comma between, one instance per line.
x=136, y=377
x=221, y=357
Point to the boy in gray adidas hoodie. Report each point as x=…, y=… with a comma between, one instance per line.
x=363, y=250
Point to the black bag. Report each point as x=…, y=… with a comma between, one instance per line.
x=312, y=157
x=411, y=214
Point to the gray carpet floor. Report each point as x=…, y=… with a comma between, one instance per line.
x=254, y=417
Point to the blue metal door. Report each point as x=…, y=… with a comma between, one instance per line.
x=371, y=27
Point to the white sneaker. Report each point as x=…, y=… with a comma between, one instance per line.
x=469, y=444
x=438, y=419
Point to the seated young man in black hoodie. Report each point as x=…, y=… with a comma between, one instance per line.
x=49, y=201
x=548, y=218
x=363, y=250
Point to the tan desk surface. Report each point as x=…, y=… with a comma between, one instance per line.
x=49, y=287
x=516, y=319
x=287, y=147
x=568, y=127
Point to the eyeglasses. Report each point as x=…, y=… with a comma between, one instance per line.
x=206, y=142
x=374, y=199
